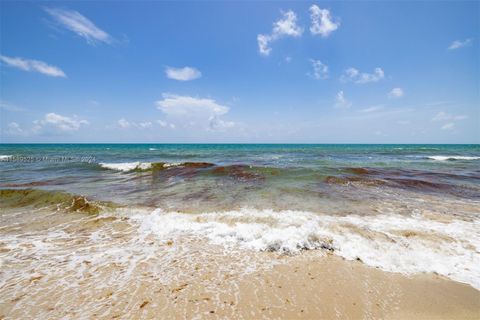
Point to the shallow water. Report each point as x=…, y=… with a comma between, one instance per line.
x=97, y=217
x=219, y=177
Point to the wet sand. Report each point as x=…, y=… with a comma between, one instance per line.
x=313, y=285
x=325, y=288
x=332, y=288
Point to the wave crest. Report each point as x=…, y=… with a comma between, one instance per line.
x=395, y=243
x=446, y=158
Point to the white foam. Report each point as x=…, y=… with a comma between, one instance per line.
x=173, y=164
x=152, y=149
x=5, y=157
x=450, y=249
x=126, y=166
x=445, y=158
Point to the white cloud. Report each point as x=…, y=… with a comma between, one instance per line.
x=371, y=109
x=377, y=75
x=396, y=93
x=322, y=22
x=448, y=126
x=33, y=66
x=341, y=102
x=59, y=123
x=165, y=124
x=77, y=23
x=288, y=26
x=288, y=59
x=123, y=123
x=145, y=125
x=444, y=116
x=217, y=124
x=281, y=28
x=203, y=113
x=448, y=119
x=177, y=105
x=352, y=74
x=14, y=129
x=457, y=44
x=263, y=42
x=320, y=70
x=183, y=74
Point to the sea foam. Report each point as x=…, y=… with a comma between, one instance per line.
x=395, y=243
x=131, y=166
x=445, y=158
x=126, y=166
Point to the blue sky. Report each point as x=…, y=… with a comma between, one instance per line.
x=313, y=72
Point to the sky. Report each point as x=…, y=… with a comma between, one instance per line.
x=240, y=72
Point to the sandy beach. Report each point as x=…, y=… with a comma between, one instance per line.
x=241, y=160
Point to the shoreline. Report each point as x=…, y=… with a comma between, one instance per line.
x=329, y=287
x=64, y=256
x=312, y=285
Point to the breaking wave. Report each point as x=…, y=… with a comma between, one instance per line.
x=446, y=158
x=395, y=243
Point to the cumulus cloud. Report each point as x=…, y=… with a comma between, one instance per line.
x=33, y=66
x=457, y=44
x=396, y=93
x=354, y=75
x=14, y=129
x=53, y=121
x=182, y=74
x=341, y=102
x=123, y=123
x=322, y=21
x=203, y=112
x=320, y=70
x=79, y=24
x=287, y=26
x=178, y=105
x=165, y=124
x=217, y=124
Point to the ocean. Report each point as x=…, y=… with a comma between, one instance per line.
x=409, y=209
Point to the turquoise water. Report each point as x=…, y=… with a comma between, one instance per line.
x=281, y=176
